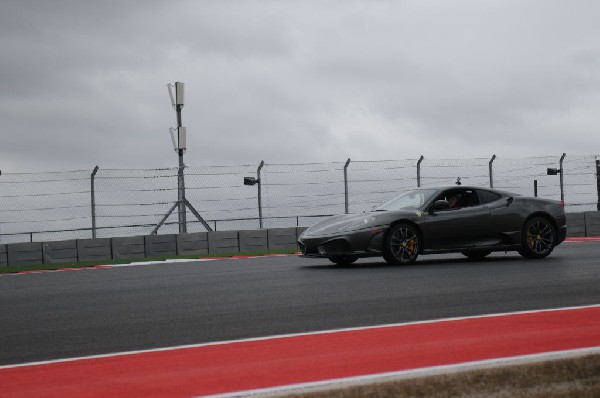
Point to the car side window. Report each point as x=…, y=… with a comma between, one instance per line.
x=459, y=198
x=488, y=196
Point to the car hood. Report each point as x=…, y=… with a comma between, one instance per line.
x=349, y=222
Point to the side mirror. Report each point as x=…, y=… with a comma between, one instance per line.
x=440, y=205
x=509, y=201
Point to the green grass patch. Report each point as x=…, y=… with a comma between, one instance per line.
x=54, y=266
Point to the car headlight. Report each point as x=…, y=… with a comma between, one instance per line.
x=356, y=225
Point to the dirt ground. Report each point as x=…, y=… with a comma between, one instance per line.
x=571, y=377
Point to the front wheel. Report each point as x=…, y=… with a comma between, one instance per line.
x=538, y=238
x=343, y=260
x=402, y=244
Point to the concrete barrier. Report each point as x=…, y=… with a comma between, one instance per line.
x=129, y=247
x=575, y=224
x=192, y=243
x=25, y=253
x=3, y=256
x=60, y=251
x=283, y=238
x=253, y=240
x=299, y=231
x=592, y=223
x=94, y=249
x=160, y=245
x=223, y=242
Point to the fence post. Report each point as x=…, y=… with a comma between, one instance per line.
x=181, y=193
x=346, y=185
x=562, y=173
x=93, y=194
x=419, y=171
x=491, y=171
x=598, y=181
x=260, y=215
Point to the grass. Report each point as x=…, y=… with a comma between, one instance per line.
x=570, y=377
x=53, y=266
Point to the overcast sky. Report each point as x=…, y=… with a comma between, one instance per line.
x=83, y=83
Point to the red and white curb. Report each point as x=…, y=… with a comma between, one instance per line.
x=134, y=264
x=290, y=362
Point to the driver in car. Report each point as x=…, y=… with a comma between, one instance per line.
x=453, y=201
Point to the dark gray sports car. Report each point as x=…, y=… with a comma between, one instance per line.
x=470, y=220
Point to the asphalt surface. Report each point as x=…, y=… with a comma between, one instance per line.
x=78, y=313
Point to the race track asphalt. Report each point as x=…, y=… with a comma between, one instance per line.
x=77, y=313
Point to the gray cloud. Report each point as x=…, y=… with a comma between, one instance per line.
x=84, y=83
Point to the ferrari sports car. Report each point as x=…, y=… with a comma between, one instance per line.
x=469, y=220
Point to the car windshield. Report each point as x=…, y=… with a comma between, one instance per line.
x=408, y=200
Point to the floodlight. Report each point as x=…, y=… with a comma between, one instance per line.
x=553, y=172
x=169, y=87
x=179, y=93
x=172, y=131
x=251, y=181
x=181, y=133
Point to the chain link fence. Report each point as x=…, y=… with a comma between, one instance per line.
x=58, y=205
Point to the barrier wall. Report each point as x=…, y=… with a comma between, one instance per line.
x=3, y=256
x=592, y=223
x=94, y=249
x=60, y=252
x=105, y=249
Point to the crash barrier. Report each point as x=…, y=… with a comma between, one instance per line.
x=199, y=243
x=105, y=249
x=583, y=224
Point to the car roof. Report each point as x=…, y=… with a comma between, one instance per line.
x=448, y=187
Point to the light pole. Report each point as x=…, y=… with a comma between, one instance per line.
x=179, y=146
x=559, y=171
x=177, y=103
x=256, y=181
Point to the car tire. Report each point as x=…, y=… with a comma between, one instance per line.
x=402, y=244
x=539, y=237
x=343, y=260
x=476, y=254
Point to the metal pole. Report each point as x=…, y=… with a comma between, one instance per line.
x=562, y=173
x=419, y=170
x=260, y=215
x=598, y=181
x=181, y=182
x=93, y=194
x=491, y=172
x=346, y=185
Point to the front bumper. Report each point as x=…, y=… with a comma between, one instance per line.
x=364, y=243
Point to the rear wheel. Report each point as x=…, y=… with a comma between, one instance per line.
x=343, y=260
x=539, y=236
x=476, y=254
x=402, y=244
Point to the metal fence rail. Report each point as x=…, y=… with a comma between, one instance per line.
x=123, y=202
